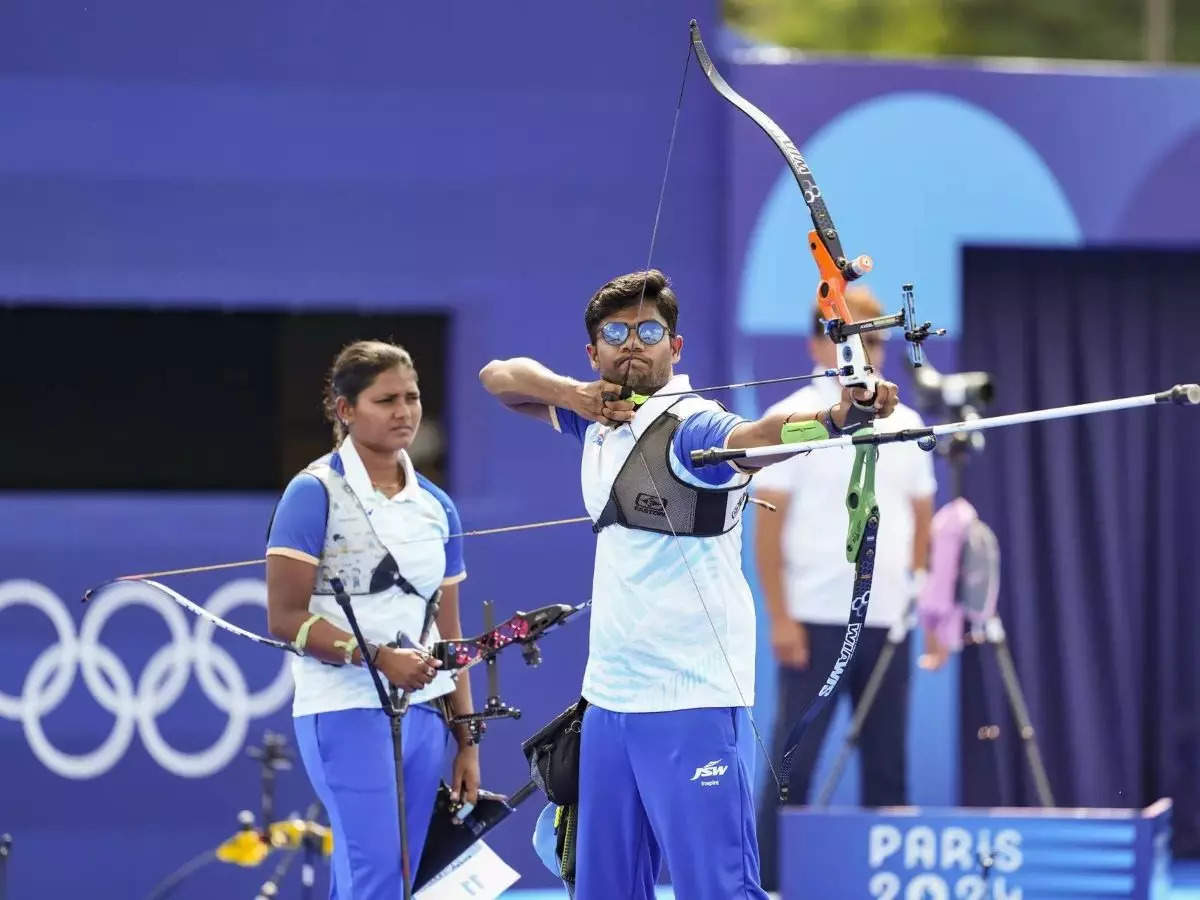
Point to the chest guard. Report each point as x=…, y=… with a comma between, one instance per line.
x=353, y=552
x=646, y=494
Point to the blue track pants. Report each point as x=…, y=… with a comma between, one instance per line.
x=671, y=785
x=348, y=756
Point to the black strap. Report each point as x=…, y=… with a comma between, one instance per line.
x=610, y=515
x=387, y=573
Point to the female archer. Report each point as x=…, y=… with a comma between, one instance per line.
x=363, y=516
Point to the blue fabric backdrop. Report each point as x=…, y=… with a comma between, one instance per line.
x=1096, y=519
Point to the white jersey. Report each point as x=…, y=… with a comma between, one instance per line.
x=652, y=643
x=818, y=580
x=415, y=526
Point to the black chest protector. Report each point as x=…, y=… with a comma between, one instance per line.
x=647, y=494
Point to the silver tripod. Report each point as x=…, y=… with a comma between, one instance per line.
x=992, y=632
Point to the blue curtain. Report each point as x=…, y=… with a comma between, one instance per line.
x=1097, y=520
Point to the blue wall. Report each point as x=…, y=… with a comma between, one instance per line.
x=498, y=165
x=375, y=157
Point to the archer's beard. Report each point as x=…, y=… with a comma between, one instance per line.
x=640, y=379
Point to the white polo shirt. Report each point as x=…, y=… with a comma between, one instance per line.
x=818, y=579
x=652, y=646
x=414, y=526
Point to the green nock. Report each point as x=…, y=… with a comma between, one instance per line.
x=860, y=494
x=638, y=399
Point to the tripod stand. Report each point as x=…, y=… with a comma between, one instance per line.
x=992, y=633
x=250, y=846
x=309, y=846
x=272, y=757
x=980, y=565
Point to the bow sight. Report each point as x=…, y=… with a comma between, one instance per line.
x=914, y=334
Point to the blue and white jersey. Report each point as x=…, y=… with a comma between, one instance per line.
x=652, y=645
x=415, y=526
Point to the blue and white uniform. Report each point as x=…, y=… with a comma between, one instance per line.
x=666, y=765
x=343, y=734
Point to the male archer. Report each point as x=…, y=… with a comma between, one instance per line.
x=666, y=764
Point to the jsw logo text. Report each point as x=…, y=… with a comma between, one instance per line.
x=712, y=771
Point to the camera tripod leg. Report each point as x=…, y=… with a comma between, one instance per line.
x=1016, y=699
x=5, y=849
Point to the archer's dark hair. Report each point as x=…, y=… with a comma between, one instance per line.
x=626, y=291
x=356, y=367
x=860, y=299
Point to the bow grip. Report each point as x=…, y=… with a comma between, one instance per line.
x=858, y=417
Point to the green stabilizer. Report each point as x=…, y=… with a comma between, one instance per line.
x=800, y=432
x=860, y=494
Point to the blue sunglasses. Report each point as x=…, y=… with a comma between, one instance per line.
x=649, y=332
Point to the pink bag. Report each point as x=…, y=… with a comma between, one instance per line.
x=964, y=574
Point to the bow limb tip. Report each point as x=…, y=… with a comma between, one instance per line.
x=91, y=592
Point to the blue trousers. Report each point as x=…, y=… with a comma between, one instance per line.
x=674, y=785
x=348, y=757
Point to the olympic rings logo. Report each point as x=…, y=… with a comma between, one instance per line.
x=159, y=686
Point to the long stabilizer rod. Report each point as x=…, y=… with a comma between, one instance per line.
x=1181, y=394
